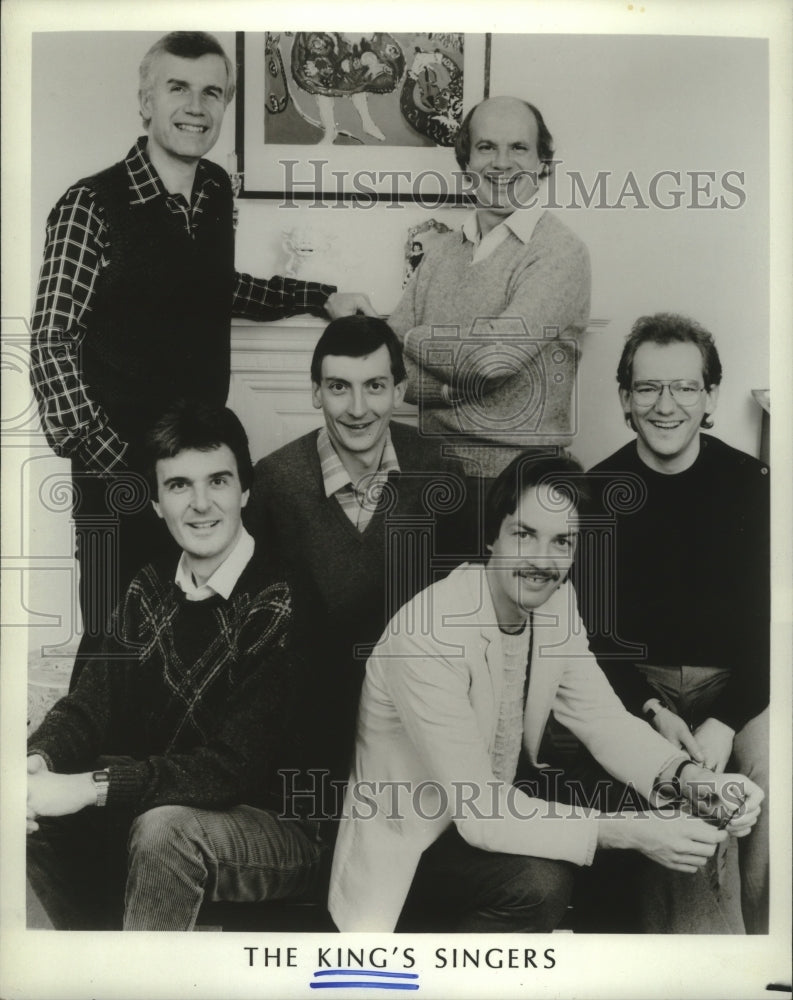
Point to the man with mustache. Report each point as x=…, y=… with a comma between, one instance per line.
x=448, y=815
x=134, y=303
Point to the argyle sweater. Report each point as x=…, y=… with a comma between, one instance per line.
x=191, y=705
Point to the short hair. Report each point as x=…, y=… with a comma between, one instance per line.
x=670, y=328
x=355, y=336
x=190, y=425
x=557, y=469
x=186, y=45
x=545, y=148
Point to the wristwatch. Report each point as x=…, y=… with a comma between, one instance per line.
x=101, y=780
x=671, y=788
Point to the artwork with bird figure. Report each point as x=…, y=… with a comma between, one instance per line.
x=351, y=88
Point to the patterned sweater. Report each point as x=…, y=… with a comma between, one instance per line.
x=191, y=704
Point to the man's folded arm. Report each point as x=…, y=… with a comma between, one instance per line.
x=550, y=297
x=748, y=689
x=78, y=728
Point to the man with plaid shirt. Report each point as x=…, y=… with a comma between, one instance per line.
x=134, y=302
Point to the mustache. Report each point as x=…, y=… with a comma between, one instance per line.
x=542, y=571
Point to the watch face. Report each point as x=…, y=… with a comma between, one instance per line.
x=100, y=777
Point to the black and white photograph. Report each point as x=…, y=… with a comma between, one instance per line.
x=396, y=534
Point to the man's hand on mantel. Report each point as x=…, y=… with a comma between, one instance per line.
x=348, y=304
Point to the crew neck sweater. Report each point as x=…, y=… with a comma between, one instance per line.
x=687, y=563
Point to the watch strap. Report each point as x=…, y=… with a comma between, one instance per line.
x=101, y=780
x=671, y=788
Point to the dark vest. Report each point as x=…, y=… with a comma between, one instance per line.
x=159, y=329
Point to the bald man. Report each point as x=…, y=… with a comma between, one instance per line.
x=512, y=295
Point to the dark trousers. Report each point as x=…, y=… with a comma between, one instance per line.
x=460, y=888
x=117, y=533
x=77, y=868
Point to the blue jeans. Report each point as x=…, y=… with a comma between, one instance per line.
x=690, y=691
x=176, y=857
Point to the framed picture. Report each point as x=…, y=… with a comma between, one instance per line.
x=419, y=239
x=334, y=116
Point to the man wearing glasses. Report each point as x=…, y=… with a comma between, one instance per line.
x=679, y=619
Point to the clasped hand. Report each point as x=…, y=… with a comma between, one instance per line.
x=709, y=744
x=728, y=801
x=682, y=836
x=51, y=794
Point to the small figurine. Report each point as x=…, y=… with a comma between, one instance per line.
x=302, y=244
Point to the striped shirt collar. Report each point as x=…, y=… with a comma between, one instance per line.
x=145, y=183
x=225, y=577
x=335, y=477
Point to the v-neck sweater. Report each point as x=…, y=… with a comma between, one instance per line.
x=350, y=582
x=502, y=336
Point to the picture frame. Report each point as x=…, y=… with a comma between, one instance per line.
x=325, y=172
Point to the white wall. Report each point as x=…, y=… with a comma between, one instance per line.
x=647, y=104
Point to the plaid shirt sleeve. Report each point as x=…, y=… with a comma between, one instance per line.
x=75, y=426
x=255, y=298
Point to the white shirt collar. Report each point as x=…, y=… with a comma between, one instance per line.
x=521, y=223
x=225, y=577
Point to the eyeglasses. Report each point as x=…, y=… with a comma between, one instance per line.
x=683, y=391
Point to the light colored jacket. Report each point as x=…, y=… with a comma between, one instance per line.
x=427, y=719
